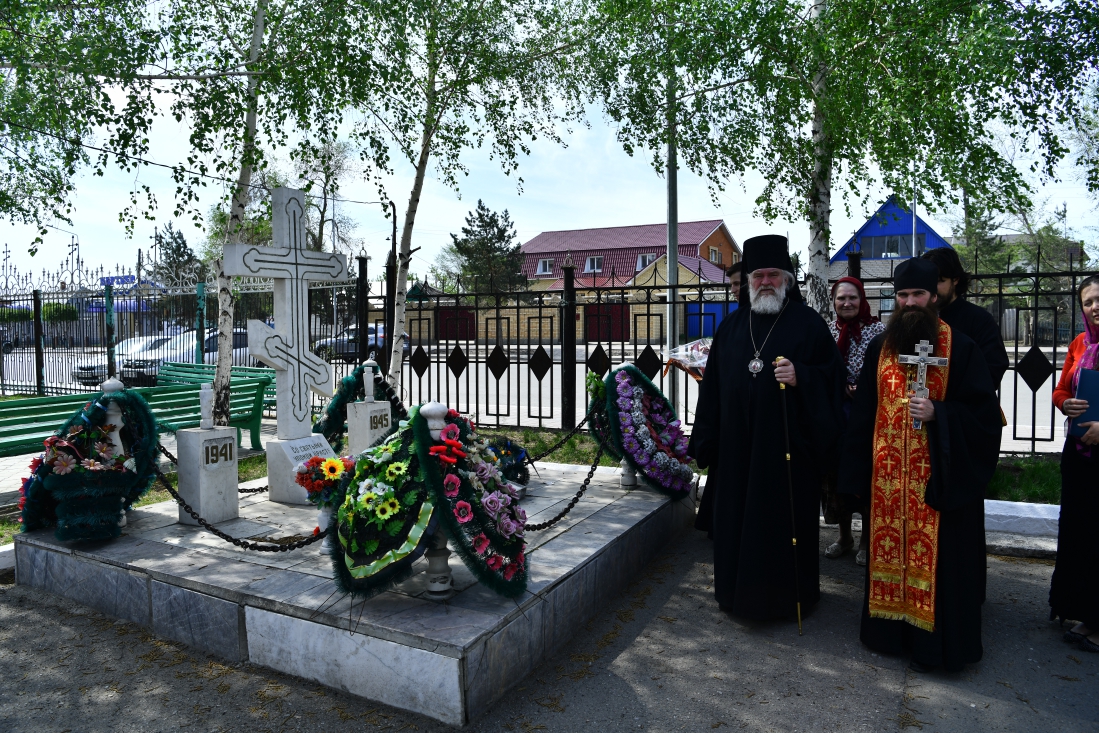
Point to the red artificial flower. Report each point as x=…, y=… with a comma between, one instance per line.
x=452, y=413
x=510, y=571
x=36, y=464
x=449, y=452
x=480, y=544
x=520, y=559
x=23, y=502
x=316, y=531
x=495, y=562
x=463, y=511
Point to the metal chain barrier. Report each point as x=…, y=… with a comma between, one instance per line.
x=575, y=499
x=276, y=545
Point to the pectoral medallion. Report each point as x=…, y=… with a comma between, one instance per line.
x=755, y=366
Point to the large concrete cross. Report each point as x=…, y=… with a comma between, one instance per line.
x=286, y=346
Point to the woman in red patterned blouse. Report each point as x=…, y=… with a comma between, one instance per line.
x=853, y=329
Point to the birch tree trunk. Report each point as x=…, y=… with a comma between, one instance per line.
x=236, y=224
x=820, y=193
x=404, y=256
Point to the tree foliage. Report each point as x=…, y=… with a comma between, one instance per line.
x=54, y=58
x=486, y=257
x=175, y=259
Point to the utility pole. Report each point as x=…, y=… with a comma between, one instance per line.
x=673, y=240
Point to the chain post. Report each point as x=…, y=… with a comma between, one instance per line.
x=39, y=347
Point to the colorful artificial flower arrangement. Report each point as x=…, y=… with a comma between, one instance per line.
x=386, y=518
x=321, y=476
x=79, y=484
x=484, y=519
x=401, y=490
x=83, y=450
x=635, y=418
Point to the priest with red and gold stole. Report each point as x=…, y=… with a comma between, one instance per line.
x=922, y=444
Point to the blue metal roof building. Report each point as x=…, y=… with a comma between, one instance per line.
x=887, y=235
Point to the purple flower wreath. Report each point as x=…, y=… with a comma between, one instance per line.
x=646, y=431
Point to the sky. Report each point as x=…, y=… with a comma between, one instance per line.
x=590, y=183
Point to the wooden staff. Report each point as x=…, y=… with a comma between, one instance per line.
x=790, y=486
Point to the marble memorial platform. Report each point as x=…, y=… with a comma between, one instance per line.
x=450, y=661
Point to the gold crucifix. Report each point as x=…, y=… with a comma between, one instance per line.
x=922, y=360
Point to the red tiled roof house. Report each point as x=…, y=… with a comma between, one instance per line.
x=623, y=251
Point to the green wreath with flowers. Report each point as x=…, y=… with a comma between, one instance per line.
x=402, y=489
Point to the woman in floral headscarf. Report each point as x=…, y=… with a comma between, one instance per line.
x=1074, y=592
x=853, y=329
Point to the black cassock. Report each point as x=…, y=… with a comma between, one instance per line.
x=738, y=435
x=964, y=442
x=979, y=325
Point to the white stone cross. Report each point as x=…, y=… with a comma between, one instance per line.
x=922, y=360
x=286, y=346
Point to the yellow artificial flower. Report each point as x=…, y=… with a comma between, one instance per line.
x=394, y=506
x=383, y=510
x=332, y=468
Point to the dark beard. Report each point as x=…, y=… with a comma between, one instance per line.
x=908, y=326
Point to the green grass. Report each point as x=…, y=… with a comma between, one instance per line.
x=9, y=527
x=580, y=449
x=1035, y=479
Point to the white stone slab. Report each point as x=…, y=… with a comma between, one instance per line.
x=208, y=473
x=1020, y=517
x=367, y=422
x=283, y=457
x=397, y=675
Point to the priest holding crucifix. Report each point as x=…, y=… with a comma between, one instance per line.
x=922, y=443
x=766, y=425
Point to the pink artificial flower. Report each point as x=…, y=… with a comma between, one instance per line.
x=91, y=464
x=450, y=432
x=64, y=464
x=451, y=484
x=510, y=570
x=105, y=449
x=495, y=562
x=463, y=511
x=480, y=544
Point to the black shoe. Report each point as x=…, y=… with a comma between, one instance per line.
x=1073, y=637
x=921, y=668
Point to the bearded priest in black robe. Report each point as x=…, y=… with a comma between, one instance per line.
x=921, y=451
x=773, y=339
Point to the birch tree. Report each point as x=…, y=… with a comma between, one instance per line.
x=461, y=75
x=908, y=95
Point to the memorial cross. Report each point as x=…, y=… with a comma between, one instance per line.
x=922, y=360
x=286, y=346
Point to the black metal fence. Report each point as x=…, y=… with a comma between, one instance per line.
x=506, y=359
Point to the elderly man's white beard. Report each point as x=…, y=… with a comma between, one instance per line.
x=766, y=302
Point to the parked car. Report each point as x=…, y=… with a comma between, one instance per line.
x=141, y=369
x=92, y=371
x=345, y=346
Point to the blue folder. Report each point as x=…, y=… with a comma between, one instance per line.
x=1087, y=390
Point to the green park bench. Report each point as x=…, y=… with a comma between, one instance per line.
x=24, y=424
x=179, y=372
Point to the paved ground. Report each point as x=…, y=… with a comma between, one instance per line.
x=660, y=658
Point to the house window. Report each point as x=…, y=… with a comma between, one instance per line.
x=545, y=267
x=896, y=246
x=594, y=264
x=644, y=261
x=715, y=255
